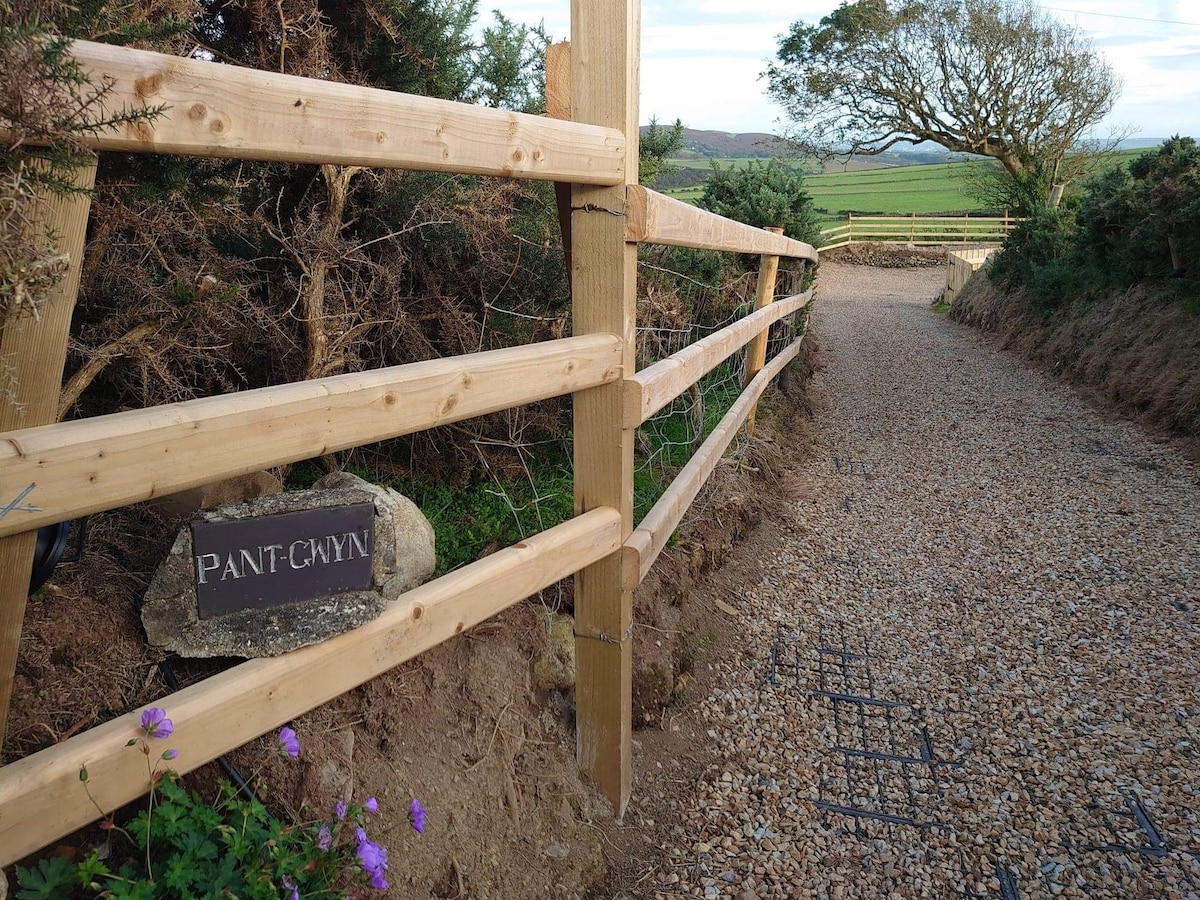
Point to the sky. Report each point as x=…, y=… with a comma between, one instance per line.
x=701, y=59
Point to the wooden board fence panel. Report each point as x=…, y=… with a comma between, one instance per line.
x=41, y=796
x=650, y=537
x=655, y=386
x=228, y=111
x=919, y=231
x=656, y=219
x=95, y=464
x=960, y=266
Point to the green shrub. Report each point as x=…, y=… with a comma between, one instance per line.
x=763, y=195
x=1041, y=239
x=1128, y=225
x=181, y=846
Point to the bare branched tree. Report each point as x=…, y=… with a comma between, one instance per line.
x=996, y=78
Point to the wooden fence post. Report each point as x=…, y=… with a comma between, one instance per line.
x=605, y=39
x=34, y=351
x=756, y=350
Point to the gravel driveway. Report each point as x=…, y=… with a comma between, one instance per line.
x=973, y=672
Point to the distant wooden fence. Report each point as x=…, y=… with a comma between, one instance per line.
x=54, y=472
x=917, y=230
x=960, y=266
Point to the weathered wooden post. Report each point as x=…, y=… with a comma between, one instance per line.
x=605, y=39
x=756, y=350
x=35, y=351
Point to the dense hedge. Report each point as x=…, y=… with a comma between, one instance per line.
x=1127, y=226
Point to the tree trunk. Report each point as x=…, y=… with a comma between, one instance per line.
x=312, y=296
x=98, y=359
x=1176, y=259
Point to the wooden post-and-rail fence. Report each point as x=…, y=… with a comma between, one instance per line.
x=918, y=231
x=52, y=472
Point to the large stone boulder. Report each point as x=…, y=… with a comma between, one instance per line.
x=403, y=557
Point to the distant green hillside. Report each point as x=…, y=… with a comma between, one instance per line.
x=891, y=190
x=904, y=189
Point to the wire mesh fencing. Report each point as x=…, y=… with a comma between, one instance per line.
x=667, y=440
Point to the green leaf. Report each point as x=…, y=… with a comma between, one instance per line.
x=122, y=890
x=197, y=844
x=139, y=829
x=226, y=875
x=53, y=878
x=179, y=875
x=92, y=868
x=170, y=791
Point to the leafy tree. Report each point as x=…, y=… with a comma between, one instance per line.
x=509, y=66
x=764, y=195
x=995, y=78
x=656, y=145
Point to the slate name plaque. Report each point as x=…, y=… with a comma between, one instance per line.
x=285, y=558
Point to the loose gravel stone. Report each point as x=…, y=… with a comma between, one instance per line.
x=1025, y=577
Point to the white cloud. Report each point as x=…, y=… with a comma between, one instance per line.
x=701, y=60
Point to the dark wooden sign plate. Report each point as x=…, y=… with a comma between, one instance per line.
x=286, y=558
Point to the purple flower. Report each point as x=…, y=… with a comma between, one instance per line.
x=339, y=810
x=156, y=724
x=290, y=884
x=372, y=805
x=324, y=838
x=170, y=754
x=372, y=858
x=288, y=742
x=416, y=815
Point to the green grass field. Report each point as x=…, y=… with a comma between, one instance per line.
x=900, y=189
x=904, y=189
x=921, y=189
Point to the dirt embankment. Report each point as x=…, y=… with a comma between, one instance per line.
x=1133, y=352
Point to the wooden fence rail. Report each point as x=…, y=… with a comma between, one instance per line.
x=40, y=795
x=918, y=230
x=89, y=465
x=52, y=472
x=217, y=110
